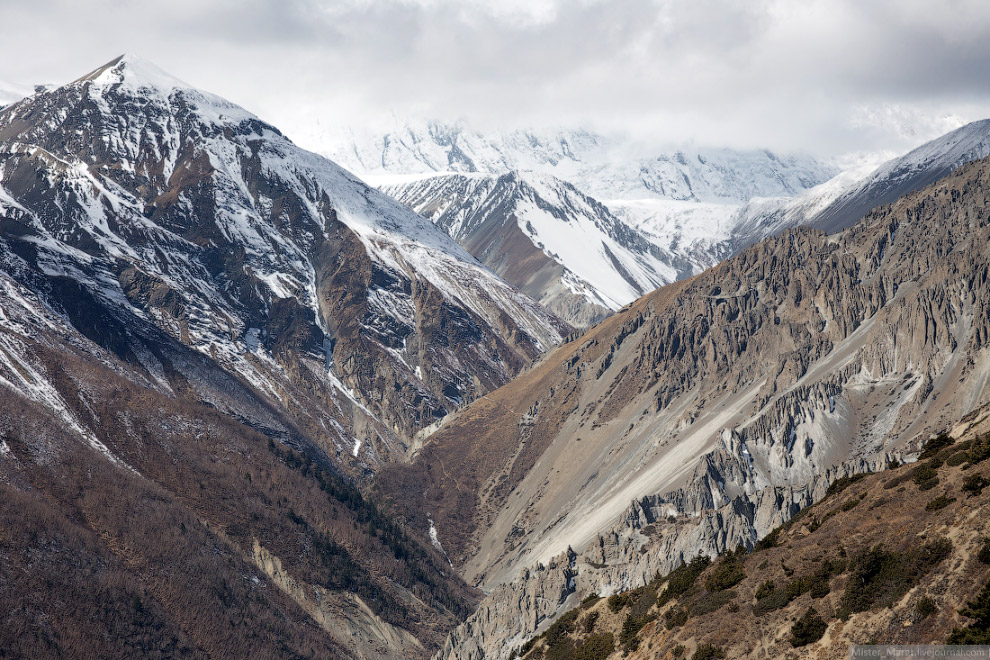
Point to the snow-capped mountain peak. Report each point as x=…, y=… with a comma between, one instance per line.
x=131, y=182
x=135, y=72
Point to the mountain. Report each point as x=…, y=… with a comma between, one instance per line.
x=167, y=204
x=683, y=201
x=542, y=235
x=850, y=195
x=605, y=167
x=897, y=557
x=717, y=406
x=173, y=511
x=210, y=339
x=913, y=171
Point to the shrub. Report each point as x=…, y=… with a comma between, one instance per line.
x=594, y=647
x=727, y=573
x=958, y=458
x=977, y=632
x=939, y=502
x=974, y=484
x=808, y=629
x=768, y=541
x=676, y=617
x=708, y=652
x=616, y=602
x=629, y=635
x=851, y=504
x=560, y=628
x=678, y=651
x=590, y=600
x=881, y=577
x=641, y=600
x=842, y=483
x=984, y=554
x=897, y=481
x=711, y=602
x=935, y=445
x=765, y=589
x=980, y=449
x=590, y=621
x=682, y=578
x=925, y=476
x=775, y=600
x=925, y=606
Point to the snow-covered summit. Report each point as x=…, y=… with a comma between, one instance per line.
x=129, y=182
x=135, y=72
x=606, y=167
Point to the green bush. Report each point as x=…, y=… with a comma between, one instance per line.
x=765, y=589
x=980, y=449
x=682, y=578
x=676, y=617
x=925, y=606
x=925, y=476
x=984, y=554
x=880, y=577
x=974, y=484
x=851, y=504
x=616, y=602
x=678, y=651
x=594, y=647
x=808, y=629
x=711, y=602
x=629, y=635
x=558, y=631
x=939, y=502
x=977, y=632
x=590, y=600
x=708, y=652
x=590, y=621
x=958, y=458
x=775, y=600
x=727, y=573
x=768, y=541
x=842, y=483
x=936, y=445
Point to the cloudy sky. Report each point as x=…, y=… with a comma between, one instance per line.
x=823, y=76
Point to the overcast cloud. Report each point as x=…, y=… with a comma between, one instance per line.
x=825, y=76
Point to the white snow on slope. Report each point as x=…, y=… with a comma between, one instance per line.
x=604, y=261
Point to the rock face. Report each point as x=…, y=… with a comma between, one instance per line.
x=682, y=202
x=542, y=235
x=208, y=336
x=933, y=540
x=726, y=395
x=163, y=203
x=849, y=196
x=161, y=507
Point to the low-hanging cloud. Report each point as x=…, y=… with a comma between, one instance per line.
x=828, y=76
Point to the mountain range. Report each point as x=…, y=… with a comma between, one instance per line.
x=257, y=407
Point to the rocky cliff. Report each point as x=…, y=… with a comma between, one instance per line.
x=730, y=393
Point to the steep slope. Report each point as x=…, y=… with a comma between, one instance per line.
x=888, y=558
x=167, y=204
x=172, y=511
x=543, y=236
x=681, y=200
x=735, y=397
x=849, y=196
x=913, y=171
